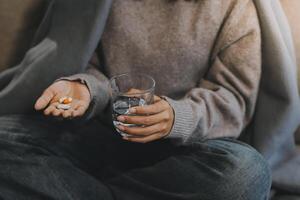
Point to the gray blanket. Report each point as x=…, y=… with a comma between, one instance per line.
x=277, y=112
x=68, y=37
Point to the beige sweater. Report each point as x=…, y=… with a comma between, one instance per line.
x=204, y=55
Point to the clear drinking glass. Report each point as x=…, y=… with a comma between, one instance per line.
x=130, y=90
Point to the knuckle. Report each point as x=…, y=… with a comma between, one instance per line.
x=157, y=110
x=159, y=106
x=166, y=116
x=164, y=127
x=144, y=133
x=153, y=107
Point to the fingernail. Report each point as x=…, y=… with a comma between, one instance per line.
x=121, y=118
x=132, y=110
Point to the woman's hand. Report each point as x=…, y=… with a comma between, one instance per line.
x=76, y=90
x=156, y=119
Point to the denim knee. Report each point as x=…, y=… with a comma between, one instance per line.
x=249, y=178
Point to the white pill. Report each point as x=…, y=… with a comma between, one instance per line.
x=63, y=106
x=61, y=100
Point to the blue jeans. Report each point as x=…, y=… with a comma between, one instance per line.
x=45, y=159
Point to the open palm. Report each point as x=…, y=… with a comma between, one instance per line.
x=50, y=99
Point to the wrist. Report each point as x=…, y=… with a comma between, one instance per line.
x=172, y=115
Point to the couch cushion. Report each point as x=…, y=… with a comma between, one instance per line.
x=19, y=20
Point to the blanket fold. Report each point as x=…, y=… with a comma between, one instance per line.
x=69, y=36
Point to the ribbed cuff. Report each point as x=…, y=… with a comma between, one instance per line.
x=183, y=126
x=99, y=92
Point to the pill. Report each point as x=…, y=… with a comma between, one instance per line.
x=63, y=106
x=62, y=99
x=65, y=100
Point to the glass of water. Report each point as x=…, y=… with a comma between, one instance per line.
x=130, y=90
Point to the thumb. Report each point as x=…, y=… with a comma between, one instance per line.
x=44, y=100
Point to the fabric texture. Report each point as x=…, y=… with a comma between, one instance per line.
x=19, y=20
x=57, y=160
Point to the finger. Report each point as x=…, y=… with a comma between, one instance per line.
x=79, y=112
x=155, y=108
x=44, y=100
x=133, y=91
x=67, y=113
x=146, y=139
x=143, y=131
x=57, y=112
x=145, y=120
x=50, y=108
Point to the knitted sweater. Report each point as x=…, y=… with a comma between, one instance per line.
x=204, y=55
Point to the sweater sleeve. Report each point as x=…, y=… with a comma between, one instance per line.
x=223, y=102
x=98, y=85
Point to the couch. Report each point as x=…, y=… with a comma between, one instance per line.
x=21, y=19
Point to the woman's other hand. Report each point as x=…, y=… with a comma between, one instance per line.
x=49, y=100
x=156, y=121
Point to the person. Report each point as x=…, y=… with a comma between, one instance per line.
x=206, y=59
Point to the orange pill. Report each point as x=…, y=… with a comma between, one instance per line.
x=67, y=101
